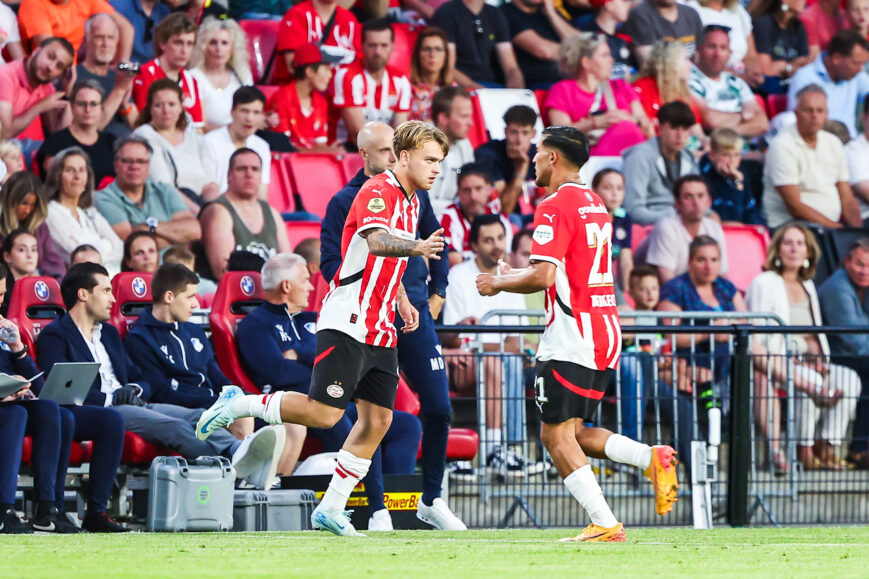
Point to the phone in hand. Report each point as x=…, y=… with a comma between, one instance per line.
x=130, y=67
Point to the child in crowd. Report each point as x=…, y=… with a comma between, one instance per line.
x=20, y=253
x=609, y=184
x=732, y=197
x=11, y=159
x=180, y=254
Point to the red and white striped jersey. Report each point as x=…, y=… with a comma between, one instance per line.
x=573, y=231
x=355, y=87
x=457, y=229
x=361, y=298
x=192, y=100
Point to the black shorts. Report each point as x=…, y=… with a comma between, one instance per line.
x=564, y=390
x=345, y=370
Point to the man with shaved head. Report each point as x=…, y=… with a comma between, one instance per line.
x=419, y=354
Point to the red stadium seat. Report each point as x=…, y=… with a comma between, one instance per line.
x=300, y=230
x=638, y=234
x=321, y=288
x=262, y=39
x=406, y=399
x=541, y=95
x=405, y=38
x=35, y=303
x=132, y=295
x=268, y=90
x=316, y=177
x=762, y=103
x=351, y=163
x=281, y=192
x=79, y=452
x=746, y=253
x=477, y=134
x=138, y=452
x=238, y=293
x=776, y=103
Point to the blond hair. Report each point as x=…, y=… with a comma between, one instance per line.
x=725, y=139
x=576, y=47
x=7, y=147
x=412, y=135
x=665, y=66
x=239, y=62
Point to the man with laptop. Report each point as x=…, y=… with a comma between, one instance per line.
x=83, y=336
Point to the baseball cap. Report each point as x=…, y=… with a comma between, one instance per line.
x=308, y=54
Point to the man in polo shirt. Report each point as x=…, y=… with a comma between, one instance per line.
x=805, y=176
x=27, y=90
x=372, y=91
x=136, y=203
x=839, y=71
x=248, y=103
x=724, y=99
x=174, y=38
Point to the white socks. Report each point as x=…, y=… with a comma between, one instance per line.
x=348, y=472
x=584, y=488
x=493, y=437
x=622, y=449
x=265, y=406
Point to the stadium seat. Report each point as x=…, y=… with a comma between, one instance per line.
x=238, y=293
x=762, y=103
x=300, y=230
x=132, y=295
x=321, y=288
x=746, y=253
x=540, y=94
x=281, y=192
x=595, y=164
x=638, y=234
x=776, y=103
x=262, y=38
x=268, y=90
x=316, y=178
x=477, y=134
x=406, y=399
x=138, y=452
x=79, y=452
x=35, y=303
x=494, y=102
x=405, y=38
x=351, y=163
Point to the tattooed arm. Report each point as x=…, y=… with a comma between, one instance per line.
x=382, y=244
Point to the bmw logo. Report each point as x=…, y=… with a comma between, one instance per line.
x=139, y=287
x=40, y=288
x=247, y=285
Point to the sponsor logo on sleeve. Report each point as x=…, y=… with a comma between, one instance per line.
x=376, y=205
x=543, y=234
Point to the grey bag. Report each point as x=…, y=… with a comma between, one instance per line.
x=195, y=496
x=278, y=510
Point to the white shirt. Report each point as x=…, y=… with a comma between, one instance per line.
x=857, y=155
x=790, y=161
x=727, y=94
x=221, y=147
x=108, y=381
x=8, y=28
x=188, y=165
x=90, y=228
x=216, y=102
x=463, y=300
x=667, y=244
x=443, y=191
x=736, y=19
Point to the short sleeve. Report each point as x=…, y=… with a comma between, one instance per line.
x=661, y=249
x=515, y=21
x=673, y=292
x=744, y=18
x=108, y=206
x=442, y=18
x=559, y=97
x=349, y=89
x=293, y=32
x=745, y=93
x=174, y=203
x=781, y=165
x=842, y=174
x=858, y=168
x=764, y=37
x=32, y=21
x=552, y=234
x=372, y=208
x=502, y=31
x=9, y=25
x=639, y=27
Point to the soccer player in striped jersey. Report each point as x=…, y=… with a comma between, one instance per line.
x=571, y=262
x=356, y=357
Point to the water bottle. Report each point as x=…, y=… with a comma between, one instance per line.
x=9, y=334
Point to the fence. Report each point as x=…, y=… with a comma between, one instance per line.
x=661, y=394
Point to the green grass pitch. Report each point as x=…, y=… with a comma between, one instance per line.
x=757, y=552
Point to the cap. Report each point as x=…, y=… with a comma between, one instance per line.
x=308, y=54
x=595, y=4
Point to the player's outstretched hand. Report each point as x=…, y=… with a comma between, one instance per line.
x=409, y=315
x=432, y=246
x=486, y=284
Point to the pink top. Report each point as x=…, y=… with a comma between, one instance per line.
x=15, y=88
x=820, y=27
x=567, y=97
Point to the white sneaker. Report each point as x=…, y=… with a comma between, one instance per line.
x=220, y=414
x=258, y=455
x=439, y=516
x=380, y=521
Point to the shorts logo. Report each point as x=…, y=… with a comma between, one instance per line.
x=40, y=288
x=353, y=318
x=376, y=205
x=543, y=234
x=247, y=285
x=335, y=390
x=139, y=287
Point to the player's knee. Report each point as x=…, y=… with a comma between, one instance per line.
x=327, y=417
x=553, y=437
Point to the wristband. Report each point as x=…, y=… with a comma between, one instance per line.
x=20, y=353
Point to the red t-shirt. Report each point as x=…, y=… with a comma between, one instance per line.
x=361, y=298
x=650, y=98
x=152, y=71
x=573, y=231
x=301, y=25
x=305, y=131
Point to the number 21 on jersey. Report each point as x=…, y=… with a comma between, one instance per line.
x=601, y=267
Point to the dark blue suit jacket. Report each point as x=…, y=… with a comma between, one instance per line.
x=61, y=341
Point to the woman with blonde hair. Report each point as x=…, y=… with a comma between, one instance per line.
x=72, y=218
x=664, y=79
x=430, y=71
x=608, y=111
x=826, y=394
x=22, y=206
x=220, y=64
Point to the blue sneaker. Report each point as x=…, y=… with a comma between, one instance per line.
x=220, y=414
x=337, y=522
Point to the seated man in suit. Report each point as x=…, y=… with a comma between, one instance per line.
x=83, y=336
x=276, y=342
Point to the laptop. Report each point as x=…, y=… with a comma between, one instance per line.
x=69, y=382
